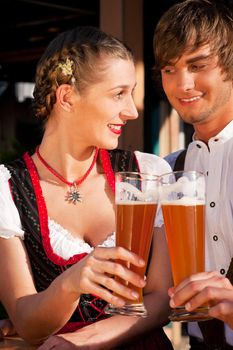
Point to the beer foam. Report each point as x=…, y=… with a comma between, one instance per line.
x=185, y=190
x=127, y=193
x=187, y=201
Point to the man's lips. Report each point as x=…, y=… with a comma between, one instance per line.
x=188, y=100
x=116, y=128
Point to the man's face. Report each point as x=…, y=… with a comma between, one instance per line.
x=195, y=87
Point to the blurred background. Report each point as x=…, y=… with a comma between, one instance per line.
x=27, y=26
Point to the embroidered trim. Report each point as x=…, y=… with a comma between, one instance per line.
x=105, y=160
x=43, y=218
x=71, y=327
x=42, y=210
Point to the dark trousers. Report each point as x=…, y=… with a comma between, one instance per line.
x=196, y=344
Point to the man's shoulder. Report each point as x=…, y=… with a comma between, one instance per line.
x=176, y=156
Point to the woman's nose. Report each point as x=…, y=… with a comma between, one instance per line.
x=130, y=111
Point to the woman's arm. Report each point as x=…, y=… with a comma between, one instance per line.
x=117, y=330
x=38, y=315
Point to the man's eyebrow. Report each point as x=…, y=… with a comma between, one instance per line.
x=198, y=58
x=190, y=60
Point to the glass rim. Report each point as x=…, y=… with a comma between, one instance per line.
x=182, y=171
x=136, y=175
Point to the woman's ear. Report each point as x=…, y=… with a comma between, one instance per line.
x=65, y=97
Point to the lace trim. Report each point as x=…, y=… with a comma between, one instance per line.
x=4, y=173
x=65, y=245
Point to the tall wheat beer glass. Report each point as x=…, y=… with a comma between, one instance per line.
x=136, y=205
x=182, y=197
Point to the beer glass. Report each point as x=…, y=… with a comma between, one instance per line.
x=136, y=204
x=182, y=198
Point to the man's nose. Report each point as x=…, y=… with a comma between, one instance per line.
x=185, y=81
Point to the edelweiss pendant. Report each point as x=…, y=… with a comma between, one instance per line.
x=73, y=195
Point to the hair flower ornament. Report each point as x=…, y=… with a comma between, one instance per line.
x=66, y=67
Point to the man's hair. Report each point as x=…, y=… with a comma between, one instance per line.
x=191, y=24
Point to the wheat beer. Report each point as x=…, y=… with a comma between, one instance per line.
x=134, y=232
x=136, y=201
x=185, y=226
x=182, y=199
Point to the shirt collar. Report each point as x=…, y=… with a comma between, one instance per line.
x=224, y=135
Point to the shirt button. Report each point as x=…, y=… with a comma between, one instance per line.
x=212, y=204
x=215, y=238
x=198, y=146
x=222, y=271
x=215, y=140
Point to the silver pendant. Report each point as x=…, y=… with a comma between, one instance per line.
x=73, y=195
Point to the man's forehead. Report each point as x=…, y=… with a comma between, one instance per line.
x=191, y=53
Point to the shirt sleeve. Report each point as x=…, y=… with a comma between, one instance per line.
x=10, y=225
x=152, y=164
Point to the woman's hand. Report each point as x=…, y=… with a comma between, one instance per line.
x=57, y=342
x=95, y=275
x=202, y=288
x=86, y=338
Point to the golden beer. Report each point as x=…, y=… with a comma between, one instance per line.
x=136, y=201
x=182, y=198
x=134, y=232
x=185, y=227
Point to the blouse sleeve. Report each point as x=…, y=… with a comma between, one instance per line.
x=10, y=225
x=152, y=164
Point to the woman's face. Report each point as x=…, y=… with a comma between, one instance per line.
x=103, y=109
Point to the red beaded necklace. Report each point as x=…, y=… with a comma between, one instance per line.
x=73, y=195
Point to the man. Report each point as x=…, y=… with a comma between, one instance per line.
x=193, y=46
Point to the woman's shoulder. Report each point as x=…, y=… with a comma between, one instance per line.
x=10, y=225
x=152, y=163
x=4, y=174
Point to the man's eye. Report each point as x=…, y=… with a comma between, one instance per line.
x=197, y=67
x=168, y=70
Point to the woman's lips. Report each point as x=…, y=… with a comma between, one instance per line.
x=115, y=128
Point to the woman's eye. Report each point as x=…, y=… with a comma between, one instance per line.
x=119, y=95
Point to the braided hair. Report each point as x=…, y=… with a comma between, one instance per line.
x=73, y=57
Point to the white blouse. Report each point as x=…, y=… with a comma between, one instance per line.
x=63, y=243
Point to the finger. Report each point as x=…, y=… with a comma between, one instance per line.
x=107, y=295
x=212, y=294
x=171, y=291
x=196, y=277
x=119, y=286
x=190, y=290
x=223, y=311
x=118, y=253
x=112, y=268
x=6, y=328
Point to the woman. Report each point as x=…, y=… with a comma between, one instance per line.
x=64, y=194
